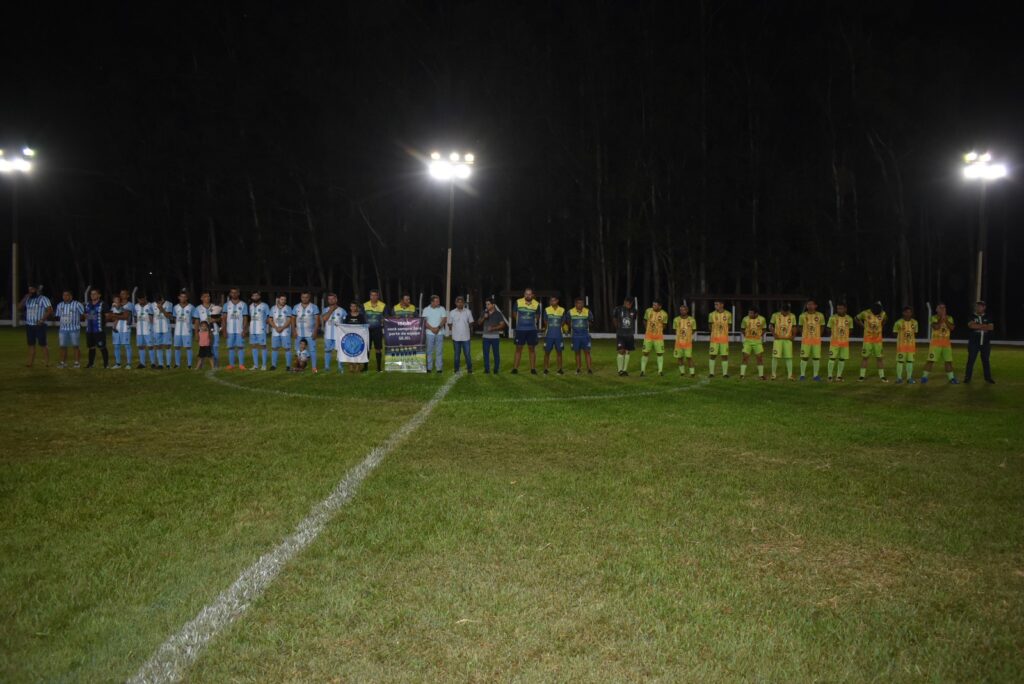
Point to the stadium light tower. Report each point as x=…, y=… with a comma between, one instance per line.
x=457, y=167
x=979, y=167
x=13, y=166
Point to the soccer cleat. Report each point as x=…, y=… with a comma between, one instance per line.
x=954, y=381
x=660, y=374
x=817, y=378
x=711, y=376
x=487, y=371
x=590, y=371
x=533, y=371
x=545, y=371
x=141, y=365
x=725, y=376
x=839, y=379
x=830, y=378
x=860, y=379
x=643, y=374
x=899, y=381
x=885, y=380
x=515, y=371
x=990, y=381
x=577, y=371
x=764, y=378
x=911, y=381
x=316, y=370
x=77, y=365
x=273, y=368
x=803, y=378
x=774, y=377
x=924, y=381
x=439, y=372
x=561, y=372
x=791, y=378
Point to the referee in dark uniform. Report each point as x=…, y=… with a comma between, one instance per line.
x=979, y=343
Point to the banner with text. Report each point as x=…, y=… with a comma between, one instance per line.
x=405, y=345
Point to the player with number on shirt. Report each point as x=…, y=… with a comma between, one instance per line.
x=282, y=330
x=258, y=314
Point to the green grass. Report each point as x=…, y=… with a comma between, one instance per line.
x=535, y=528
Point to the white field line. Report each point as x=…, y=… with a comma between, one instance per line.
x=172, y=659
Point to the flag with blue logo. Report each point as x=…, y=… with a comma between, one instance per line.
x=353, y=342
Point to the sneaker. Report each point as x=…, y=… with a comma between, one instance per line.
x=141, y=365
x=899, y=381
x=315, y=371
x=115, y=366
x=590, y=371
x=439, y=372
x=725, y=376
x=263, y=367
x=990, y=381
x=515, y=371
x=577, y=371
x=241, y=367
x=816, y=378
x=533, y=371
x=227, y=368
x=911, y=381
x=545, y=371
x=487, y=371
x=885, y=380
x=127, y=367
x=61, y=365
x=924, y=381
x=954, y=381
x=273, y=368
x=77, y=365
x=803, y=378
x=469, y=371
x=561, y=372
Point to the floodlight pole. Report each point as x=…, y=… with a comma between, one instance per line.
x=451, y=226
x=982, y=237
x=14, y=250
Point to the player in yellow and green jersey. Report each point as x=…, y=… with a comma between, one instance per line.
x=873, y=322
x=940, y=348
x=685, y=326
x=811, y=323
x=554, y=318
x=783, y=327
x=405, y=308
x=527, y=321
x=720, y=322
x=655, y=320
x=753, y=326
x=374, y=309
x=840, y=324
x=905, y=329
x=580, y=319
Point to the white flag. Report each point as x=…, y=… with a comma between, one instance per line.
x=353, y=342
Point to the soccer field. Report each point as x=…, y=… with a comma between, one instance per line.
x=590, y=528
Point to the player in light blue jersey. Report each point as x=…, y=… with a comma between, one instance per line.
x=161, y=313
x=333, y=316
x=211, y=313
x=258, y=314
x=69, y=313
x=123, y=320
x=282, y=329
x=236, y=325
x=306, y=315
x=183, y=313
x=143, y=330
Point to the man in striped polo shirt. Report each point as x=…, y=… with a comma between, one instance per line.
x=37, y=310
x=69, y=313
x=95, y=337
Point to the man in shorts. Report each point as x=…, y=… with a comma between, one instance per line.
x=940, y=348
x=655, y=320
x=685, y=326
x=720, y=322
x=872, y=320
x=783, y=327
x=811, y=322
x=527, y=318
x=839, y=325
x=554, y=318
x=905, y=329
x=625, y=330
x=753, y=326
x=580, y=319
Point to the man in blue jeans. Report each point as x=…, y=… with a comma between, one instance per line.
x=460, y=321
x=434, y=319
x=493, y=322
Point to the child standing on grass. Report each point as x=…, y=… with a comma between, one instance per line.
x=205, y=346
x=302, y=357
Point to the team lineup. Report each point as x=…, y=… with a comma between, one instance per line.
x=185, y=335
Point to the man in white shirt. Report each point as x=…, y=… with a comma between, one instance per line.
x=332, y=317
x=281, y=331
x=460, y=322
x=306, y=315
x=435, y=318
x=258, y=314
x=236, y=325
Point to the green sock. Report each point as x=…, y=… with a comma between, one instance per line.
x=775, y=366
x=910, y=370
x=693, y=370
x=643, y=363
x=711, y=366
x=881, y=372
x=625, y=361
x=831, y=368
x=661, y=362
x=803, y=368
x=950, y=375
x=725, y=368
x=839, y=369
x=760, y=371
x=817, y=369
x=743, y=370
x=863, y=372
x=682, y=369
x=789, y=367
x=899, y=370
x=618, y=362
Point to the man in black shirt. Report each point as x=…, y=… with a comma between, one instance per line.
x=625, y=329
x=979, y=342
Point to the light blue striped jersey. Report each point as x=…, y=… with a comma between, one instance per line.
x=35, y=309
x=70, y=314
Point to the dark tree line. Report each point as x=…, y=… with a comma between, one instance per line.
x=657, y=149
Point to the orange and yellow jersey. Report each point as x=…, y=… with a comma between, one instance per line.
x=810, y=327
x=720, y=322
x=940, y=335
x=684, y=329
x=656, y=322
x=906, y=335
x=840, y=327
x=785, y=325
x=753, y=328
x=873, y=326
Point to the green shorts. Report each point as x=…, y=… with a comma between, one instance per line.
x=718, y=349
x=838, y=353
x=904, y=357
x=782, y=349
x=683, y=353
x=810, y=351
x=940, y=354
x=870, y=349
x=657, y=345
x=753, y=347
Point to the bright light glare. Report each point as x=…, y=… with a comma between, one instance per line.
x=985, y=172
x=16, y=164
x=28, y=152
x=469, y=158
x=462, y=171
x=454, y=156
x=441, y=170
x=435, y=155
x=971, y=156
x=985, y=158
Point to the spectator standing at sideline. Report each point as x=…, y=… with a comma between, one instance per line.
x=435, y=318
x=460, y=321
x=493, y=322
x=37, y=310
x=979, y=342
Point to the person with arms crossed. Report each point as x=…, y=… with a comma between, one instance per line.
x=527, y=317
x=840, y=324
x=554, y=318
x=655, y=320
x=282, y=329
x=783, y=328
x=905, y=330
x=625, y=334
x=719, y=321
x=685, y=327
x=183, y=312
x=460, y=325
x=811, y=324
x=493, y=322
x=333, y=315
x=979, y=343
x=236, y=326
x=580, y=319
x=143, y=330
x=122, y=335
x=38, y=310
x=161, y=312
x=259, y=312
x=306, y=316
x=753, y=326
x=434, y=319
x=375, y=310
x=70, y=313
x=95, y=336
x=940, y=347
x=872, y=320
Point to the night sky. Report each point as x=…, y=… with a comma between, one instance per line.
x=663, y=150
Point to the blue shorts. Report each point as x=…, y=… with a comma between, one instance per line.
x=581, y=343
x=329, y=345
x=235, y=340
x=143, y=340
x=162, y=339
x=183, y=341
x=528, y=337
x=280, y=342
x=310, y=343
x=69, y=338
x=554, y=343
x=123, y=339
x=257, y=339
